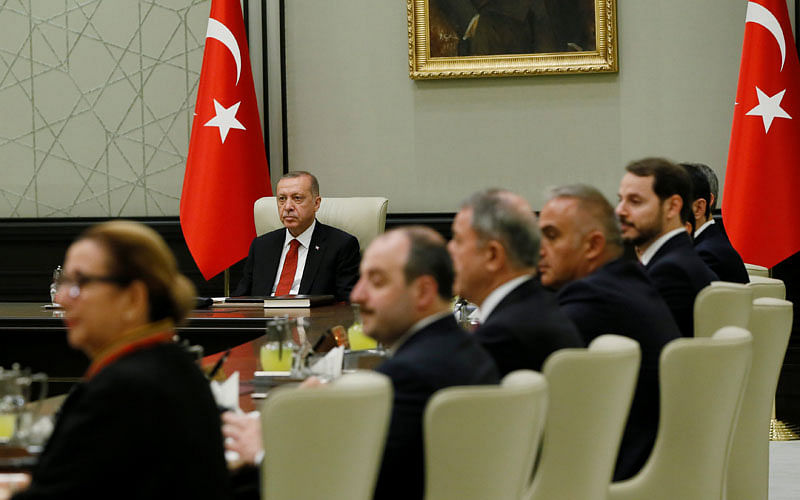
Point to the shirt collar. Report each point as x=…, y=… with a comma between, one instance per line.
x=419, y=325
x=703, y=227
x=304, y=238
x=498, y=294
x=648, y=254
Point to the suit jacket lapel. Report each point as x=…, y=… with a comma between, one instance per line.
x=272, y=253
x=313, y=258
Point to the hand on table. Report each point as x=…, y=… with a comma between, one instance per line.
x=13, y=483
x=242, y=434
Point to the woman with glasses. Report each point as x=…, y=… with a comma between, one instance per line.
x=143, y=423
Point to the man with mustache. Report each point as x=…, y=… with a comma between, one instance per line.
x=307, y=257
x=652, y=195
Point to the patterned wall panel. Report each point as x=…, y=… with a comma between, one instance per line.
x=96, y=101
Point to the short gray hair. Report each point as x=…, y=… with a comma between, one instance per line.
x=498, y=215
x=301, y=173
x=596, y=205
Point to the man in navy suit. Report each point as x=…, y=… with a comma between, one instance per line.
x=404, y=293
x=652, y=195
x=307, y=257
x=710, y=243
x=603, y=292
x=494, y=248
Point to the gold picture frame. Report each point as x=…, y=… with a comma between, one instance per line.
x=525, y=39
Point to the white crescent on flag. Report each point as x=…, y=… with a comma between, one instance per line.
x=757, y=13
x=219, y=31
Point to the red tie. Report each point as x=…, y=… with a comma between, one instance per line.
x=289, y=268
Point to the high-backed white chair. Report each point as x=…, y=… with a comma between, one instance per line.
x=363, y=217
x=702, y=382
x=767, y=287
x=721, y=304
x=480, y=442
x=748, y=469
x=325, y=443
x=756, y=270
x=590, y=396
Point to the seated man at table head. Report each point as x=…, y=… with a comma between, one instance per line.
x=710, y=242
x=652, y=195
x=143, y=423
x=307, y=257
x=603, y=292
x=495, y=248
x=404, y=292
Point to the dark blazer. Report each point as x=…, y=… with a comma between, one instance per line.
x=679, y=274
x=716, y=251
x=438, y=356
x=145, y=426
x=619, y=298
x=525, y=328
x=331, y=264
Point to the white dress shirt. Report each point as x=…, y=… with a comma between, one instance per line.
x=497, y=296
x=302, y=253
x=652, y=249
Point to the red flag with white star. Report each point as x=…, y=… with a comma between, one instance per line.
x=762, y=180
x=226, y=170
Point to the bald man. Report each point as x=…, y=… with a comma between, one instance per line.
x=602, y=292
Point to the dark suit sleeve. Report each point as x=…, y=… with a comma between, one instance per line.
x=347, y=264
x=245, y=285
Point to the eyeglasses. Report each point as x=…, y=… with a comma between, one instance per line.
x=76, y=284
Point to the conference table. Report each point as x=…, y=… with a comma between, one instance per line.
x=35, y=337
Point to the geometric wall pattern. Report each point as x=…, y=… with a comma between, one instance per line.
x=96, y=105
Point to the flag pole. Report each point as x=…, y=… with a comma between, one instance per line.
x=227, y=285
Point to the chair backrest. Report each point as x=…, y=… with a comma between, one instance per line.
x=767, y=287
x=363, y=217
x=325, y=443
x=590, y=396
x=756, y=270
x=721, y=304
x=702, y=382
x=748, y=469
x=480, y=442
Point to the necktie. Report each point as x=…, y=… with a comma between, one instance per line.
x=289, y=268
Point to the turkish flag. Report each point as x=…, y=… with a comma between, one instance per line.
x=226, y=170
x=762, y=180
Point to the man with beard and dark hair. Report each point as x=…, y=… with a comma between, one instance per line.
x=710, y=241
x=651, y=196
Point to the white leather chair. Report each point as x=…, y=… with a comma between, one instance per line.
x=722, y=304
x=480, y=442
x=767, y=287
x=748, y=468
x=702, y=382
x=590, y=396
x=325, y=443
x=363, y=217
x=756, y=270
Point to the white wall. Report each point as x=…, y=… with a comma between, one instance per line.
x=358, y=121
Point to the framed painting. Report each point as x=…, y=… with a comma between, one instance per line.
x=492, y=38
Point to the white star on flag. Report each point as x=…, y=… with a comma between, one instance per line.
x=769, y=108
x=225, y=119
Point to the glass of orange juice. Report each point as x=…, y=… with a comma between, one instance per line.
x=8, y=425
x=358, y=339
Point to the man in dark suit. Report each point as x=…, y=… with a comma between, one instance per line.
x=494, y=248
x=652, y=195
x=404, y=293
x=710, y=243
x=602, y=292
x=307, y=257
